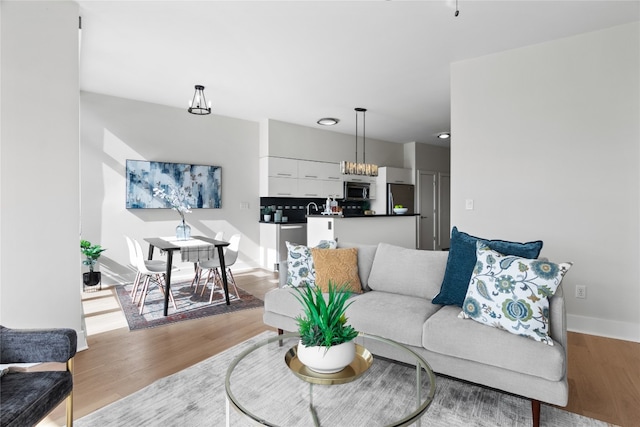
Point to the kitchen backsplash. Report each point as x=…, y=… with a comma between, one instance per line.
x=295, y=208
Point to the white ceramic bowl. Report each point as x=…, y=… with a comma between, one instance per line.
x=400, y=211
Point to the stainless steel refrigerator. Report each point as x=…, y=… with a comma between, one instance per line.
x=401, y=194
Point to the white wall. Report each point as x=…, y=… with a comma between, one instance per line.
x=40, y=280
x=116, y=129
x=547, y=145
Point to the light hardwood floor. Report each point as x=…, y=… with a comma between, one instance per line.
x=604, y=374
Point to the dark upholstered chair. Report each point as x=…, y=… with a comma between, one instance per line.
x=27, y=397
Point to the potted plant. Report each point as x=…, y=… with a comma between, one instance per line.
x=92, y=253
x=326, y=341
x=266, y=212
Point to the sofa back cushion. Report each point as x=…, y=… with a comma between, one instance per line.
x=366, y=254
x=409, y=272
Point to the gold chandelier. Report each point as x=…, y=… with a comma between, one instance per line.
x=355, y=168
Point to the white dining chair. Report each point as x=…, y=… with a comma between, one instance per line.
x=155, y=272
x=133, y=261
x=197, y=277
x=213, y=276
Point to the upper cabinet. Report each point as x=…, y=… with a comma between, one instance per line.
x=390, y=175
x=283, y=177
x=319, y=170
x=279, y=167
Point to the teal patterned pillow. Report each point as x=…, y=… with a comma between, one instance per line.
x=300, y=268
x=512, y=293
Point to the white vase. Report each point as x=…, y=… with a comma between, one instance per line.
x=327, y=361
x=267, y=218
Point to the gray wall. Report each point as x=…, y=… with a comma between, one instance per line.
x=40, y=267
x=116, y=129
x=547, y=145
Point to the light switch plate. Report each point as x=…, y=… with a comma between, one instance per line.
x=469, y=204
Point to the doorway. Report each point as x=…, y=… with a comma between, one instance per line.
x=434, y=202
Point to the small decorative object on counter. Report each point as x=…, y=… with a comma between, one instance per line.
x=278, y=215
x=266, y=213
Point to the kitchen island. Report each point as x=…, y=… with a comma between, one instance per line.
x=399, y=230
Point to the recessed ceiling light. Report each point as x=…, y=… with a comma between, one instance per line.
x=328, y=121
x=444, y=135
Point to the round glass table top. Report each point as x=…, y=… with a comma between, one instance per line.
x=267, y=386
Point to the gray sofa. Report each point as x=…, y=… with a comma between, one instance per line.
x=27, y=397
x=400, y=308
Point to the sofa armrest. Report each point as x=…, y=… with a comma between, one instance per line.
x=37, y=345
x=558, y=318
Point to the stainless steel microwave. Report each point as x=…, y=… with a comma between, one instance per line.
x=356, y=190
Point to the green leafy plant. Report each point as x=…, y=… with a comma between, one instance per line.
x=267, y=210
x=92, y=252
x=324, y=322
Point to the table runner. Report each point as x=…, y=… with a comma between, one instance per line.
x=193, y=250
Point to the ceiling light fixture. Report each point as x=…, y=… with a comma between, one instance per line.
x=355, y=168
x=328, y=121
x=444, y=135
x=198, y=105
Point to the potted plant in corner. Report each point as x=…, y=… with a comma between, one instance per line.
x=326, y=341
x=92, y=253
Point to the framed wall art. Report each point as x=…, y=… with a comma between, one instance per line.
x=200, y=183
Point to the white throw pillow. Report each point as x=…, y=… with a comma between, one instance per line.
x=300, y=269
x=512, y=293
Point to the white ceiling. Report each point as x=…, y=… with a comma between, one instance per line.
x=298, y=61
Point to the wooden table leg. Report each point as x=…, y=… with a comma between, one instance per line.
x=223, y=269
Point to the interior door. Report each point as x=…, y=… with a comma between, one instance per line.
x=444, y=210
x=427, y=206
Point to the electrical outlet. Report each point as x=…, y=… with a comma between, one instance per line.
x=581, y=291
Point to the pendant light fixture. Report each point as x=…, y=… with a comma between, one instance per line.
x=355, y=168
x=198, y=105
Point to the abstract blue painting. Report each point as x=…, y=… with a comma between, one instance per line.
x=202, y=184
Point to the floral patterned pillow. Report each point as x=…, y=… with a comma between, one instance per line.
x=512, y=293
x=300, y=269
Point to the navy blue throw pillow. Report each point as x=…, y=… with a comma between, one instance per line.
x=462, y=260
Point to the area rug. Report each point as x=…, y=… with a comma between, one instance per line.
x=190, y=305
x=196, y=397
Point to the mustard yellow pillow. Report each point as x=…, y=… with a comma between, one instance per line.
x=338, y=265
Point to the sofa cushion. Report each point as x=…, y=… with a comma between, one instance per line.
x=339, y=266
x=389, y=315
x=410, y=272
x=462, y=260
x=446, y=334
x=300, y=268
x=366, y=254
x=512, y=293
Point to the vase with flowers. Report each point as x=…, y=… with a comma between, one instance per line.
x=326, y=340
x=177, y=199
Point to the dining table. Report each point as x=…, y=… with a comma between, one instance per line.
x=170, y=245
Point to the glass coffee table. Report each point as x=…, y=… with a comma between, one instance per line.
x=267, y=385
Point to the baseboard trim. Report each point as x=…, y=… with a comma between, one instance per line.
x=605, y=328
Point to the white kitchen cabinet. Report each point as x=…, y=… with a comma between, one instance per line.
x=281, y=167
x=284, y=177
x=281, y=187
x=310, y=188
x=308, y=169
x=395, y=230
x=391, y=175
